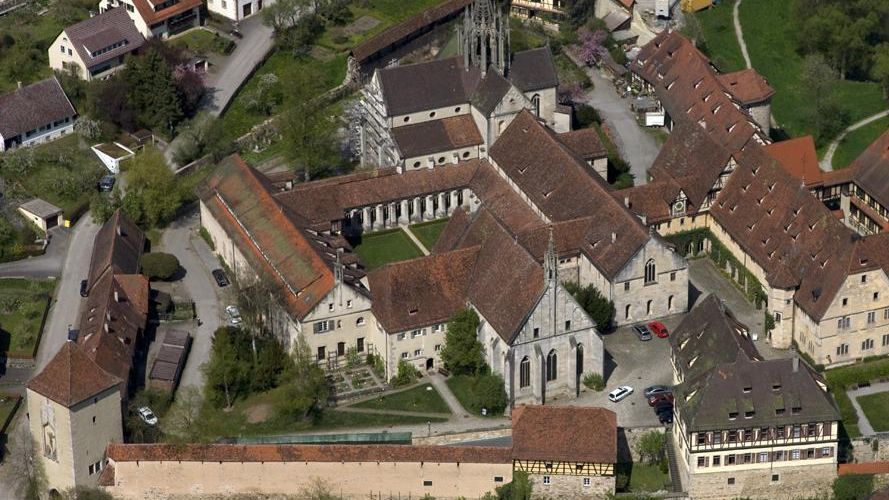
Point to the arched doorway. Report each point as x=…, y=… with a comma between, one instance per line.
x=430, y=363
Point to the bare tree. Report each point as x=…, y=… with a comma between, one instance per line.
x=181, y=421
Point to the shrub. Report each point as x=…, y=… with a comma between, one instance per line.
x=158, y=265
x=206, y=236
x=853, y=487
x=519, y=489
x=462, y=352
x=594, y=381
x=594, y=303
x=488, y=393
x=585, y=115
x=651, y=447
x=407, y=374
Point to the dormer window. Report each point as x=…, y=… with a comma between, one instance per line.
x=732, y=416
x=749, y=414
x=747, y=389
x=698, y=83
x=776, y=386
x=413, y=312
x=796, y=410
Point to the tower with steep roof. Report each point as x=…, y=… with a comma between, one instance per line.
x=484, y=37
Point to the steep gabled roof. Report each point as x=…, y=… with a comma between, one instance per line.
x=564, y=433
x=747, y=86
x=146, y=9
x=239, y=199
x=533, y=69
x=71, y=377
x=118, y=246
x=34, y=106
x=799, y=158
x=585, y=143
x=101, y=31
x=437, y=136
x=429, y=85
x=872, y=169
x=558, y=183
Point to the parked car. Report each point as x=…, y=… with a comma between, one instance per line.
x=147, y=415
x=106, y=183
x=658, y=398
x=656, y=389
x=642, y=331
x=663, y=407
x=620, y=393
x=83, y=288
x=665, y=418
x=220, y=277
x=234, y=315
x=659, y=329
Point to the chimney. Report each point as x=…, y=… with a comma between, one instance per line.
x=613, y=237
x=627, y=201
x=19, y=84
x=119, y=231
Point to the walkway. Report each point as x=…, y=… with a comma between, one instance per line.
x=863, y=423
x=413, y=237
x=48, y=265
x=251, y=50
x=827, y=162
x=740, y=34
x=636, y=145
x=438, y=381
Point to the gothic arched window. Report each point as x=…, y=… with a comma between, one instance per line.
x=650, y=272
x=535, y=104
x=552, y=369
x=525, y=372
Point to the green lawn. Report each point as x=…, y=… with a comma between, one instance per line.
x=643, y=478
x=719, y=35
x=22, y=306
x=423, y=398
x=387, y=12
x=239, y=120
x=216, y=423
x=200, y=41
x=876, y=409
x=462, y=387
x=383, y=247
x=63, y=172
x=840, y=379
x=27, y=59
x=857, y=141
x=772, y=49
x=428, y=232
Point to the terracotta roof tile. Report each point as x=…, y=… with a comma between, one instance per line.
x=564, y=433
x=118, y=246
x=430, y=85
x=747, y=86
x=71, y=377
x=305, y=453
x=799, y=158
x=872, y=169
x=240, y=201
x=585, y=143
x=150, y=16
x=533, y=69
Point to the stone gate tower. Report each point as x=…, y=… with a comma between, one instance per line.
x=484, y=37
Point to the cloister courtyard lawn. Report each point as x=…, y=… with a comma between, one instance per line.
x=876, y=409
x=428, y=232
x=423, y=398
x=380, y=248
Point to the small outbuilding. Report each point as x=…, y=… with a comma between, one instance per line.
x=170, y=360
x=112, y=154
x=42, y=213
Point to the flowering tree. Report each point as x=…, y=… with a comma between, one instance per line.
x=591, y=45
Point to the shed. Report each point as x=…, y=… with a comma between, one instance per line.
x=42, y=213
x=111, y=154
x=170, y=360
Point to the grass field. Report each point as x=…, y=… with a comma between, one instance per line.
x=876, y=409
x=857, y=141
x=643, y=478
x=239, y=120
x=383, y=247
x=387, y=12
x=719, y=33
x=199, y=41
x=428, y=232
x=22, y=306
x=462, y=386
x=772, y=50
x=423, y=399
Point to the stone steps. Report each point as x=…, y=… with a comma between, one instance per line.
x=675, y=481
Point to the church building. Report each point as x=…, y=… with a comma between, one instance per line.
x=450, y=110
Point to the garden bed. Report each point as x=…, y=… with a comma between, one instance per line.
x=23, y=308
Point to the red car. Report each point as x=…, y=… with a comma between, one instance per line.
x=658, y=329
x=660, y=398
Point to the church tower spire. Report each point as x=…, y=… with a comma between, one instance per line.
x=484, y=37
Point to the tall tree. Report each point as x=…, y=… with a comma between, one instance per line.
x=880, y=69
x=152, y=90
x=307, y=128
x=826, y=112
x=462, y=352
x=153, y=193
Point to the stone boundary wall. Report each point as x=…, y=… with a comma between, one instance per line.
x=458, y=437
x=801, y=481
x=627, y=438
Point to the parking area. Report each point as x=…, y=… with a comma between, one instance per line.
x=629, y=361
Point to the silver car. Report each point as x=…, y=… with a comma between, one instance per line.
x=643, y=332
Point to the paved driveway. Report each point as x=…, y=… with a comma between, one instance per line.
x=48, y=265
x=182, y=240
x=237, y=67
x=629, y=361
x=636, y=145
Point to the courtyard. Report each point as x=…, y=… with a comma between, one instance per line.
x=382, y=247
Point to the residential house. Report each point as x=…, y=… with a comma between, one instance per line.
x=237, y=10
x=96, y=47
x=34, y=114
x=745, y=426
x=159, y=18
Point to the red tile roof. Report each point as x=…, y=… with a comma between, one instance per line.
x=564, y=433
x=872, y=169
x=585, y=143
x=239, y=199
x=150, y=16
x=864, y=468
x=305, y=453
x=747, y=86
x=118, y=246
x=799, y=158
x=71, y=377
x=437, y=136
